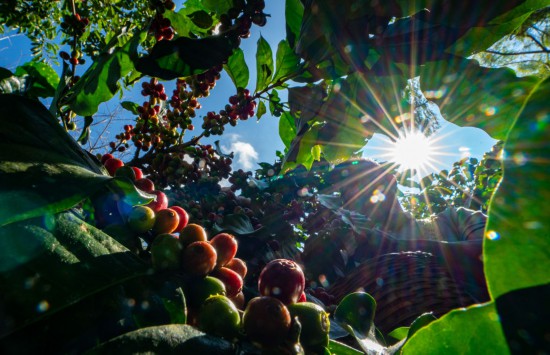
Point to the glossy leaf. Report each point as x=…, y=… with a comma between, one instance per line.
x=130, y=106
x=237, y=69
x=459, y=332
x=286, y=61
x=264, y=64
x=57, y=253
x=101, y=81
x=356, y=310
x=517, y=243
x=184, y=56
x=336, y=347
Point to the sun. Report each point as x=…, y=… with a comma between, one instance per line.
x=412, y=151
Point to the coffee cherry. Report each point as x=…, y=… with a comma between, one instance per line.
x=192, y=233
x=106, y=157
x=145, y=184
x=232, y=281
x=237, y=265
x=166, y=221
x=141, y=219
x=219, y=316
x=160, y=202
x=199, y=259
x=184, y=218
x=112, y=165
x=138, y=173
x=282, y=279
x=166, y=252
x=226, y=247
x=266, y=320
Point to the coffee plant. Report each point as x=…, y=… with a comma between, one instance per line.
x=156, y=243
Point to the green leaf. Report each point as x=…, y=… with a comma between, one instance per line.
x=44, y=262
x=218, y=6
x=184, y=56
x=261, y=110
x=459, y=332
x=100, y=82
x=356, y=311
x=202, y=19
x=130, y=106
x=264, y=65
x=45, y=169
x=336, y=347
x=286, y=61
x=85, y=134
x=419, y=323
x=399, y=333
x=44, y=78
x=237, y=69
x=287, y=128
x=294, y=11
x=517, y=243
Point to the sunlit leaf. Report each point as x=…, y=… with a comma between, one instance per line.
x=235, y=223
x=286, y=61
x=264, y=64
x=459, y=332
x=44, y=79
x=336, y=347
x=287, y=129
x=237, y=69
x=130, y=106
x=218, y=6
x=517, y=243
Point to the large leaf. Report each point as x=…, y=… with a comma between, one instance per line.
x=264, y=64
x=185, y=56
x=294, y=11
x=287, y=129
x=237, y=69
x=517, y=243
x=44, y=78
x=50, y=263
x=42, y=169
x=475, y=330
x=101, y=81
x=469, y=95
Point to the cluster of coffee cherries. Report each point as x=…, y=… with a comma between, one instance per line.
x=242, y=15
x=281, y=286
x=162, y=28
x=74, y=25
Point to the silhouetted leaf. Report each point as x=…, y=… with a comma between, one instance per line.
x=294, y=11
x=184, y=56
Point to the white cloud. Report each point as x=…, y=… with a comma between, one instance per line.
x=245, y=154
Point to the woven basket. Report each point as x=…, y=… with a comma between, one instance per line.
x=404, y=285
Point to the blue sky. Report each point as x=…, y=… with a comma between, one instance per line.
x=253, y=141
